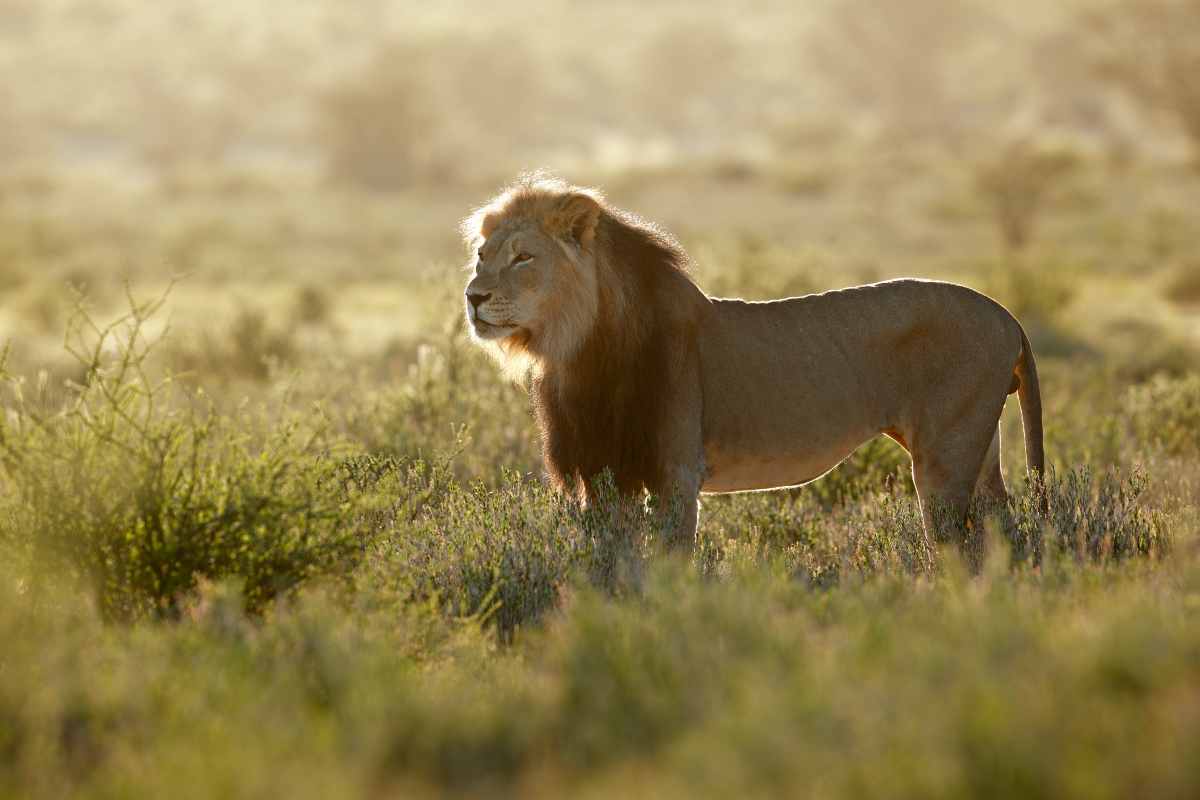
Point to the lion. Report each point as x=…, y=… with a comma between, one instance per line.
x=635, y=370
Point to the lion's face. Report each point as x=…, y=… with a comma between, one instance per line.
x=515, y=270
x=532, y=287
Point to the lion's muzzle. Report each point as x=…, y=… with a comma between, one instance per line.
x=476, y=300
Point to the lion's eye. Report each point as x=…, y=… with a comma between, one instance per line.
x=522, y=258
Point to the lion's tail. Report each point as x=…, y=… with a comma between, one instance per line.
x=1030, y=395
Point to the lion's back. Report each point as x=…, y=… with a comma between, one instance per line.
x=826, y=371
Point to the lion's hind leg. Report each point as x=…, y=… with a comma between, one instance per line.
x=990, y=486
x=677, y=508
x=946, y=469
x=944, y=495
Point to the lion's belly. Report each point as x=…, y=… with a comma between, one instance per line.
x=742, y=472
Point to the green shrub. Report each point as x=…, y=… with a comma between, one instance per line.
x=1098, y=519
x=634, y=678
x=502, y=553
x=250, y=347
x=454, y=402
x=1141, y=349
x=1165, y=412
x=1087, y=518
x=142, y=491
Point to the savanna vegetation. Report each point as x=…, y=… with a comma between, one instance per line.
x=271, y=526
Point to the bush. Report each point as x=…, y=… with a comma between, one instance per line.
x=142, y=492
x=694, y=688
x=1165, y=412
x=313, y=305
x=249, y=348
x=501, y=554
x=1016, y=182
x=1086, y=518
x=495, y=554
x=1183, y=287
x=455, y=406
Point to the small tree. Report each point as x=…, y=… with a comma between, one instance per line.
x=1015, y=184
x=1151, y=48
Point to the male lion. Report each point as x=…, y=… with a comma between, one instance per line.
x=636, y=370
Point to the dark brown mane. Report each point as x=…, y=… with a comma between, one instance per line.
x=607, y=406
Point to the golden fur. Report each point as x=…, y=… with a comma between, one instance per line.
x=637, y=371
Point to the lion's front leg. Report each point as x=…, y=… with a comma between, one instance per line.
x=683, y=535
x=681, y=449
x=677, y=510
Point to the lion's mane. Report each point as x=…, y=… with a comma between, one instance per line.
x=601, y=400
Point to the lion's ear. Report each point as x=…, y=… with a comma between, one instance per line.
x=478, y=227
x=488, y=224
x=576, y=217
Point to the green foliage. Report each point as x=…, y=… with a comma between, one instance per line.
x=1166, y=412
x=750, y=685
x=142, y=493
x=453, y=406
x=1088, y=518
x=500, y=553
x=250, y=348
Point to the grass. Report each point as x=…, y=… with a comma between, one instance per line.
x=357, y=599
x=752, y=684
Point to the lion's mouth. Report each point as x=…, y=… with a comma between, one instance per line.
x=491, y=329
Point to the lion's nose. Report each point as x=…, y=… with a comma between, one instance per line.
x=476, y=300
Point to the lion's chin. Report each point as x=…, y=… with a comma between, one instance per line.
x=490, y=332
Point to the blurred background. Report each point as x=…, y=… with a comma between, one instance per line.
x=301, y=166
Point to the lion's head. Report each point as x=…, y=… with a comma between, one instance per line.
x=535, y=285
x=599, y=303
